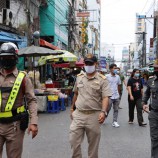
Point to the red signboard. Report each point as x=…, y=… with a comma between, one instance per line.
x=83, y=14
x=151, y=42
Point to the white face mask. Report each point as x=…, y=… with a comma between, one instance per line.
x=89, y=69
x=118, y=72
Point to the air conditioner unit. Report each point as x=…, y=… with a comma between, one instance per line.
x=7, y=17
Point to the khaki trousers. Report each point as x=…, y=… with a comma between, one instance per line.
x=13, y=137
x=81, y=124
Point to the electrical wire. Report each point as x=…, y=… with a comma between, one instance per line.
x=152, y=5
x=144, y=6
x=61, y=2
x=50, y=18
x=59, y=11
x=55, y=20
x=150, y=22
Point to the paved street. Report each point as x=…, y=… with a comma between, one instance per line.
x=128, y=141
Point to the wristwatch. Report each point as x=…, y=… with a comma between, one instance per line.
x=103, y=111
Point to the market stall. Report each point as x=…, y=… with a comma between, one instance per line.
x=61, y=62
x=43, y=92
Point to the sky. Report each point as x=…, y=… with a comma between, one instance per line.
x=118, y=19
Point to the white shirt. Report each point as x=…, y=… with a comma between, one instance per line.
x=114, y=81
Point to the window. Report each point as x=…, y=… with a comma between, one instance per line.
x=8, y=4
x=2, y=4
x=139, y=29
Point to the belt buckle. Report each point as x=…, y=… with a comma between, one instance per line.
x=88, y=112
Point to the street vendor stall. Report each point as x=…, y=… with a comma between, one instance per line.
x=42, y=94
x=58, y=62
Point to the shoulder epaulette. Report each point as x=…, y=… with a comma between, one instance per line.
x=102, y=76
x=80, y=74
x=24, y=72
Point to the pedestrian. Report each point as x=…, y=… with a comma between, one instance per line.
x=122, y=82
x=15, y=86
x=152, y=91
x=115, y=85
x=91, y=94
x=145, y=78
x=135, y=93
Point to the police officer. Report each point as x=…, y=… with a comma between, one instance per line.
x=91, y=94
x=14, y=118
x=152, y=92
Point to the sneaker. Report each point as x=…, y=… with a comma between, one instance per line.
x=115, y=124
x=142, y=124
x=130, y=122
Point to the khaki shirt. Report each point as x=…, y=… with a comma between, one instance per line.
x=25, y=89
x=91, y=91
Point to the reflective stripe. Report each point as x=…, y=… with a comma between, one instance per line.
x=20, y=109
x=14, y=92
x=10, y=114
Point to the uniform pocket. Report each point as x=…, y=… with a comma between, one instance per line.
x=95, y=89
x=80, y=87
x=154, y=94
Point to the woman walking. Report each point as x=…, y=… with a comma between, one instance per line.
x=135, y=91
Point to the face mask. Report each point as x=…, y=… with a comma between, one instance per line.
x=8, y=64
x=118, y=72
x=136, y=75
x=115, y=71
x=89, y=69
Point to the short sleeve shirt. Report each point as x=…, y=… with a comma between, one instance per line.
x=114, y=82
x=6, y=84
x=91, y=92
x=136, y=86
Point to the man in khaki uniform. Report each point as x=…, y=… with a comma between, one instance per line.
x=14, y=122
x=91, y=94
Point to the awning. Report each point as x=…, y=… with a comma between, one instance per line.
x=67, y=65
x=48, y=45
x=8, y=39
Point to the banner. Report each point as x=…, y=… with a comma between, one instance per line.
x=102, y=62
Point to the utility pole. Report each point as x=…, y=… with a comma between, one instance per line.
x=144, y=50
x=129, y=58
x=142, y=61
x=157, y=34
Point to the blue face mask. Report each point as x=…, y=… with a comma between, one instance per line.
x=137, y=75
x=115, y=71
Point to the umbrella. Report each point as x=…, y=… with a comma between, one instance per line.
x=66, y=57
x=35, y=51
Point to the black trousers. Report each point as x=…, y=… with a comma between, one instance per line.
x=132, y=104
x=153, y=122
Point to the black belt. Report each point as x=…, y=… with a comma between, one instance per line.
x=16, y=117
